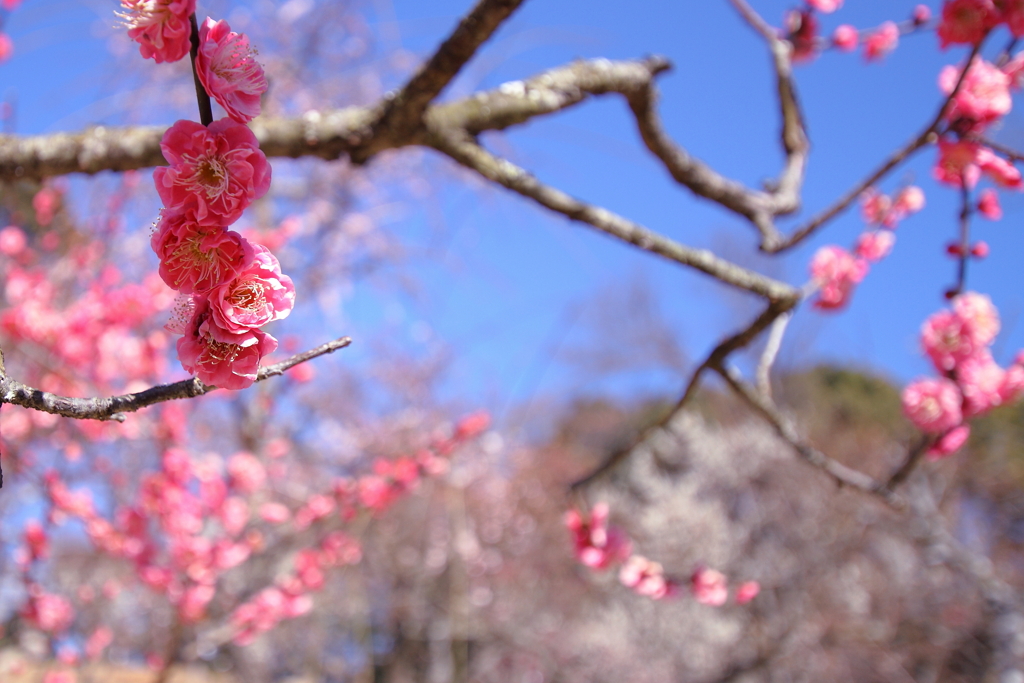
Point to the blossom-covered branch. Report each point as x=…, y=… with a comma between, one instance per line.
x=114, y=407
x=929, y=135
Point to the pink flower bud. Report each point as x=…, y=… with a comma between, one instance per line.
x=874, y=246
x=979, y=250
x=922, y=15
x=845, y=37
x=949, y=443
x=933, y=405
x=825, y=6
x=747, y=591
x=988, y=205
x=709, y=587
x=882, y=41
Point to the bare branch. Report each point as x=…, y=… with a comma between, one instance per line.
x=464, y=150
x=843, y=475
x=519, y=101
x=402, y=115
x=754, y=19
x=114, y=407
x=770, y=353
x=332, y=134
x=914, y=455
x=717, y=356
x=695, y=174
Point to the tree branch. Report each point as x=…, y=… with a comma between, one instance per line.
x=718, y=355
x=114, y=407
x=843, y=475
x=401, y=115
x=331, y=134
x=465, y=151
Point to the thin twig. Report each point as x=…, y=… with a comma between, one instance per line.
x=717, y=356
x=839, y=472
x=1009, y=153
x=914, y=455
x=114, y=407
x=965, y=242
x=771, y=352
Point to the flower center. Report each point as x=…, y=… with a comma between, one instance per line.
x=220, y=352
x=190, y=258
x=248, y=295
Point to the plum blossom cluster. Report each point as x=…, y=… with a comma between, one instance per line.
x=50, y=613
x=965, y=22
x=836, y=271
x=197, y=518
x=970, y=382
x=215, y=172
x=801, y=29
x=598, y=545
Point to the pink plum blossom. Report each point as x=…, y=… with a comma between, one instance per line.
x=845, y=37
x=48, y=612
x=933, y=405
x=882, y=41
x=984, y=95
x=946, y=340
x=1013, y=16
x=1013, y=383
x=227, y=68
x=874, y=246
x=709, y=587
x=988, y=204
x=215, y=171
x=909, y=200
x=981, y=319
x=957, y=164
x=256, y=296
x=981, y=381
x=1001, y=171
x=275, y=513
x=160, y=27
x=247, y=472
x=98, y=642
x=229, y=361
x=196, y=258
x=874, y=206
x=949, y=443
x=6, y=47
x=825, y=6
x=12, y=240
x=836, y=272
x=597, y=545
x=802, y=33
x=966, y=21
x=36, y=540
x=747, y=591
x=645, y=577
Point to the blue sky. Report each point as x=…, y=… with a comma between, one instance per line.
x=515, y=283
